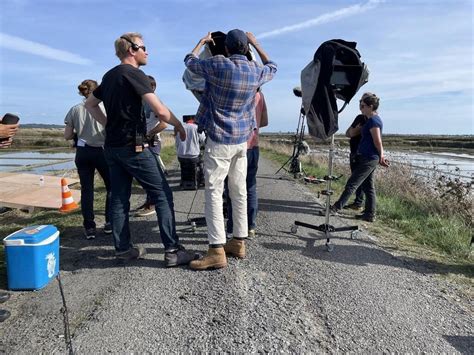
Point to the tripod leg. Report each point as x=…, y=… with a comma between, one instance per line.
x=283, y=166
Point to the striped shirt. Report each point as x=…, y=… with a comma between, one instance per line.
x=227, y=109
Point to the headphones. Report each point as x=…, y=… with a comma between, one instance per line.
x=134, y=46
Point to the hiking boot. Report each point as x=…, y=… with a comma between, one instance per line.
x=90, y=233
x=145, y=210
x=131, y=254
x=235, y=247
x=215, y=259
x=365, y=217
x=354, y=206
x=179, y=257
x=251, y=233
x=107, y=228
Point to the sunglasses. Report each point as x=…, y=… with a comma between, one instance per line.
x=141, y=47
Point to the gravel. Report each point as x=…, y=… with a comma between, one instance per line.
x=289, y=295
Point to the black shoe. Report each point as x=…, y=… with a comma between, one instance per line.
x=90, y=233
x=4, y=314
x=179, y=256
x=365, y=217
x=108, y=228
x=4, y=296
x=133, y=253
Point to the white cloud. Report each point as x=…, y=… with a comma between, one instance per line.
x=23, y=45
x=325, y=18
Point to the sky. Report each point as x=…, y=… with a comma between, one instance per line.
x=419, y=53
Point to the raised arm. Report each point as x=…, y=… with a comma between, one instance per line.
x=202, y=42
x=253, y=41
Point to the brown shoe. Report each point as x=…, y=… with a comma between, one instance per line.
x=235, y=247
x=215, y=259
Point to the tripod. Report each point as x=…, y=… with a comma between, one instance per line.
x=327, y=228
x=295, y=166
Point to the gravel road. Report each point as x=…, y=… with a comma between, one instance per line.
x=288, y=295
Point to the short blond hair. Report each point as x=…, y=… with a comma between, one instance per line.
x=122, y=44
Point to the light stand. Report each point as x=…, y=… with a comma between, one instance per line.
x=339, y=80
x=295, y=166
x=327, y=228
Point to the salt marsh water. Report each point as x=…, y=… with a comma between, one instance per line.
x=425, y=163
x=36, y=162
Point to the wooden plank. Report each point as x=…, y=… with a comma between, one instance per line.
x=24, y=191
x=33, y=179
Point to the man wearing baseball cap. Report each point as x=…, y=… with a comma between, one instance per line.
x=227, y=113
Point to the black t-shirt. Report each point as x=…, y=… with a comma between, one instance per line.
x=121, y=91
x=354, y=141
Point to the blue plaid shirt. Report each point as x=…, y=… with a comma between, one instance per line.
x=227, y=109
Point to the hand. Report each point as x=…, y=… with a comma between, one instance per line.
x=8, y=130
x=208, y=39
x=384, y=162
x=6, y=143
x=251, y=38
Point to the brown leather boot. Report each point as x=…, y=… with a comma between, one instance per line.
x=215, y=259
x=235, y=247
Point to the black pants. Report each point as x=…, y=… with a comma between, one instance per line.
x=359, y=194
x=363, y=175
x=88, y=159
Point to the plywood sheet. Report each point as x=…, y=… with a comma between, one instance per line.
x=20, y=190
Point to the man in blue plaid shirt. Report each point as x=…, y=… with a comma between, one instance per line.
x=227, y=113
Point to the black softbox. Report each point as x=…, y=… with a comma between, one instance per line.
x=336, y=71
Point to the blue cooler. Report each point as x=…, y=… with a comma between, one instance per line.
x=32, y=256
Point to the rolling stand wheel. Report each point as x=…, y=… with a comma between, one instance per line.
x=329, y=247
x=355, y=234
x=294, y=229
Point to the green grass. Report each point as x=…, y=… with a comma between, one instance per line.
x=446, y=234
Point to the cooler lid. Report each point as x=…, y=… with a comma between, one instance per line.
x=32, y=235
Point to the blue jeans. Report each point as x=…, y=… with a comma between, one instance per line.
x=363, y=175
x=252, y=198
x=359, y=194
x=87, y=160
x=125, y=164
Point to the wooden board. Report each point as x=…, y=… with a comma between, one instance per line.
x=20, y=190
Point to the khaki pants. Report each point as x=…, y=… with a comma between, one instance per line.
x=221, y=160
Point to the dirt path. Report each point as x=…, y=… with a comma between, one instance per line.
x=288, y=295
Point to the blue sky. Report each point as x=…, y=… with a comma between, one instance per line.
x=420, y=53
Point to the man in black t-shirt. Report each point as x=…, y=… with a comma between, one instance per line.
x=123, y=89
x=353, y=132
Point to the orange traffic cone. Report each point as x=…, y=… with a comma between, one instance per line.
x=68, y=202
